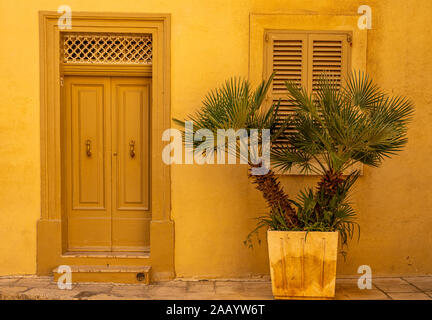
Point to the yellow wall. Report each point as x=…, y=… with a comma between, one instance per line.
x=213, y=206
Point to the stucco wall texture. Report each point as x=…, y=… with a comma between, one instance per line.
x=213, y=206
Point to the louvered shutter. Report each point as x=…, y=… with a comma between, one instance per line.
x=286, y=56
x=327, y=53
x=303, y=57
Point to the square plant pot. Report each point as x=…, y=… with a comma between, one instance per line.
x=303, y=264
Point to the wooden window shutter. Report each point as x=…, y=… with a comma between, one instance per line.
x=286, y=55
x=327, y=53
x=303, y=57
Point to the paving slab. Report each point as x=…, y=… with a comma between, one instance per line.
x=94, y=288
x=365, y=294
x=7, y=293
x=167, y=292
x=51, y=294
x=8, y=281
x=409, y=296
x=423, y=283
x=394, y=285
x=33, y=282
x=229, y=287
x=257, y=288
x=340, y=295
x=201, y=286
x=171, y=284
x=130, y=291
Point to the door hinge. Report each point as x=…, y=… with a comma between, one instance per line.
x=61, y=81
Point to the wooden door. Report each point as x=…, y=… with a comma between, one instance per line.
x=131, y=168
x=106, y=163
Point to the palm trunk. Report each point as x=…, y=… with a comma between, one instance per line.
x=329, y=183
x=274, y=195
x=327, y=187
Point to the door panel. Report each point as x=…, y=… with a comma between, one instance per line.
x=131, y=175
x=107, y=140
x=88, y=163
x=87, y=147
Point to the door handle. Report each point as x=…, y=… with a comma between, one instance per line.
x=88, y=148
x=132, y=148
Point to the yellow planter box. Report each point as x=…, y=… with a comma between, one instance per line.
x=302, y=264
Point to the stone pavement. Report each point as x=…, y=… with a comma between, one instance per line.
x=44, y=288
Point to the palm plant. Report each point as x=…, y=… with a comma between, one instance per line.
x=331, y=129
x=236, y=106
x=336, y=128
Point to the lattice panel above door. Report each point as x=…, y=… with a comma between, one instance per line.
x=107, y=48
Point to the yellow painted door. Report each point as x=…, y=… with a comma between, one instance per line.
x=131, y=168
x=106, y=163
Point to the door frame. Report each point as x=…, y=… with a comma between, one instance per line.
x=51, y=231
